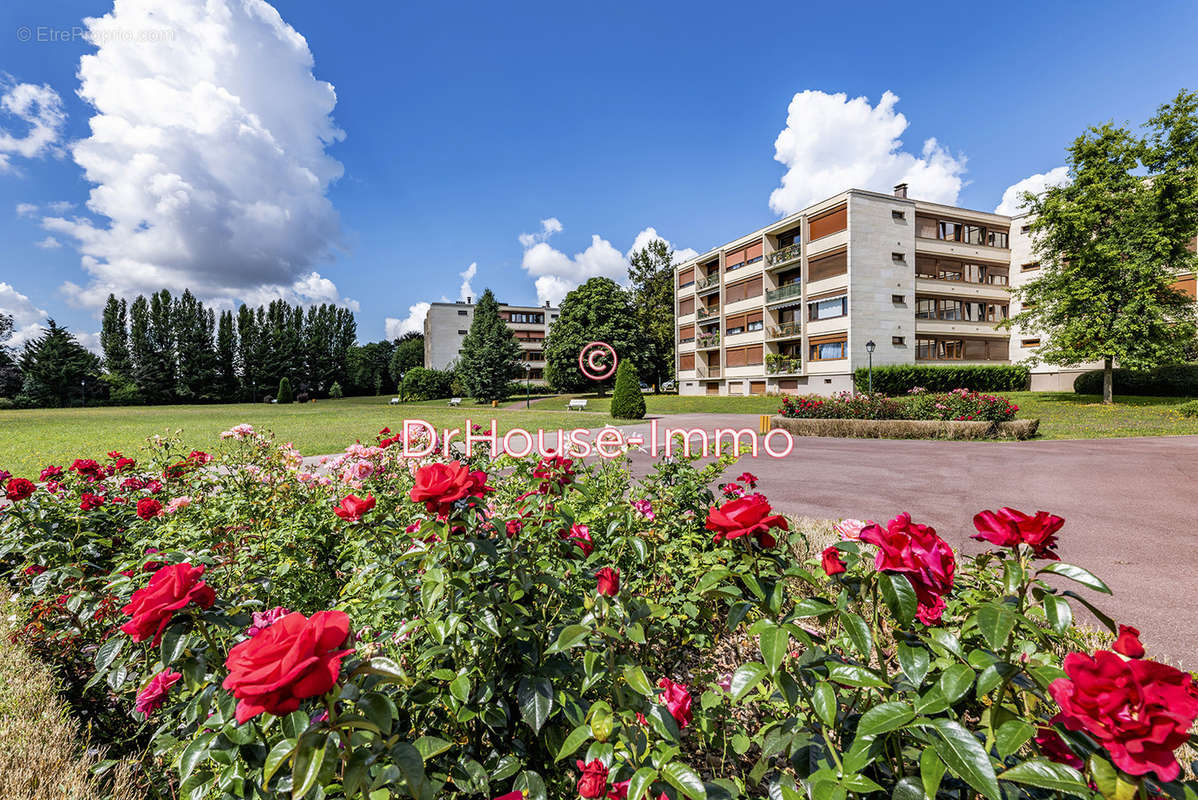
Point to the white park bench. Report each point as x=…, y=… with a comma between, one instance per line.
x=455, y=401
x=578, y=404
x=394, y=401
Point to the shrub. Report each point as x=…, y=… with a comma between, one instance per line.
x=1189, y=409
x=285, y=395
x=901, y=378
x=335, y=391
x=627, y=402
x=121, y=390
x=1178, y=380
x=959, y=405
x=423, y=383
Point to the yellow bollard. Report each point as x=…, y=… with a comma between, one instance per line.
x=494, y=404
x=765, y=423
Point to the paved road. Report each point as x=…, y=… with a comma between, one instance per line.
x=1129, y=505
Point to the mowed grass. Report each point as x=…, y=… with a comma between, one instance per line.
x=31, y=439
x=1063, y=415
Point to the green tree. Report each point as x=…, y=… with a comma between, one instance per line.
x=599, y=310
x=114, y=337
x=651, y=272
x=285, y=395
x=627, y=402
x=1110, y=244
x=56, y=368
x=335, y=391
x=196, y=350
x=490, y=353
x=409, y=353
x=226, y=358
x=249, y=370
x=10, y=370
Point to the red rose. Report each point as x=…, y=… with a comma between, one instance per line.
x=556, y=469
x=1140, y=711
x=619, y=790
x=34, y=569
x=440, y=485
x=293, y=659
x=50, y=473
x=1128, y=642
x=88, y=468
x=511, y=796
x=170, y=589
x=581, y=535
x=152, y=698
x=19, y=488
x=148, y=507
x=745, y=516
x=593, y=782
x=608, y=580
x=514, y=526
x=123, y=464
x=1053, y=747
x=831, y=561
x=677, y=699
x=1008, y=527
x=199, y=457
x=914, y=550
x=748, y=478
x=89, y=501
x=353, y=507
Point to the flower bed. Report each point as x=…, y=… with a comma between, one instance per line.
x=959, y=405
x=541, y=628
x=1018, y=429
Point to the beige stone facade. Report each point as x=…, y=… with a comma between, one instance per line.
x=446, y=325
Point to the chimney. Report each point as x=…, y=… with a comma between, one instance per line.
x=470, y=300
x=546, y=304
x=901, y=191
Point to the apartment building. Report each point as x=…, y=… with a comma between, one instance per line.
x=446, y=325
x=796, y=307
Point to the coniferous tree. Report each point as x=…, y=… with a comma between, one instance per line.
x=57, y=369
x=141, y=349
x=285, y=395
x=114, y=338
x=226, y=358
x=490, y=353
x=10, y=370
x=627, y=402
x=247, y=338
x=156, y=372
x=196, y=350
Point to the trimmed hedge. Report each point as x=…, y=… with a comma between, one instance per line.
x=1019, y=429
x=1176, y=380
x=422, y=383
x=627, y=402
x=902, y=378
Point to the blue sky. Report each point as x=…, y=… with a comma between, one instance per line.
x=458, y=127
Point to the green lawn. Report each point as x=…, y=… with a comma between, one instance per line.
x=1063, y=415
x=30, y=439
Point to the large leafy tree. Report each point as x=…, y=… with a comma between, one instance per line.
x=490, y=353
x=651, y=271
x=409, y=353
x=1110, y=244
x=599, y=310
x=10, y=371
x=57, y=368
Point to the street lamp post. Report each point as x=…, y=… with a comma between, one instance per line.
x=254, y=391
x=83, y=391
x=527, y=391
x=869, y=348
x=401, y=386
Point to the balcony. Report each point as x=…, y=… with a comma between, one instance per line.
x=703, y=312
x=787, y=292
x=776, y=364
x=707, y=341
x=787, y=330
x=710, y=282
x=785, y=255
x=712, y=371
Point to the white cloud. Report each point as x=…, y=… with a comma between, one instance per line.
x=208, y=157
x=831, y=143
x=1012, y=198
x=414, y=322
x=557, y=273
x=49, y=243
x=467, y=292
x=60, y=206
x=27, y=318
x=649, y=234
x=90, y=340
x=26, y=209
x=39, y=110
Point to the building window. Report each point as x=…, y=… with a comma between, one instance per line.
x=896, y=214
x=997, y=239
x=1030, y=342
x=925, y=308
x=828, y=309
x=526, y=318
x=735, y=329
x=898, y=341
x=1029, y=267
x=461, y=333
x=755, y=326
x=828, y=351
x=898, y=258
x=949, y=231
x=1026, y=229
x=462, y=313
x=973, y=234
x=898, y=299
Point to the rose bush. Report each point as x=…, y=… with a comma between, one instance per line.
x=469, y=627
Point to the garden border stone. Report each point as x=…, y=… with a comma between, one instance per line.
x=1019, y=429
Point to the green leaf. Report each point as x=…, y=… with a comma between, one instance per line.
x=858, y=631
x=915, y=662
x=908, y=788
x=571, y=636
x=430, y=746
x=378, y=708
x=195, y=752
x=995, y=621
x=853, y=675
x=108, y=652
x=640, y=782
x=1011, y=736
x=685, y=780
x=530, y=782
x=931, y=770
x=536, y=701
x=1097, y=612
x=823, y=698
x=746, y=677
x=955, y=682
x=411, y=764
x=965, y=756
x=775, y=644
x=1058, y=612
x=174, y=641
x=898, y=596
x=811, y=607
x=1077, y=574
x=635, y=676
x=459, y=687
x=1045, y=774
x=276, y=758
x=573, y=741
x=885, y=717
x=305, y=768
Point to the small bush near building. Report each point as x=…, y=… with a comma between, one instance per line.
x=1176, y=380
x=285, y=395
x=959, y=405
x=422, y=383
x=901, y=378
x=627, y=402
